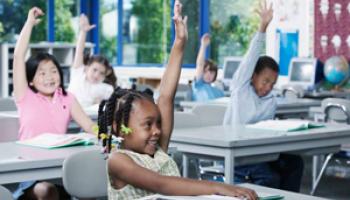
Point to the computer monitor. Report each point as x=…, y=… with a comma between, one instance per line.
x=305, y=72
x=231, y=65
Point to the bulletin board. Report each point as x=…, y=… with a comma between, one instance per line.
x=332, y=28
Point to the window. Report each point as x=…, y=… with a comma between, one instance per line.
x=108, y=22
x=66, y=20
x=191, y=9
x=146, y=31
x=10, y=27
x=232, y=25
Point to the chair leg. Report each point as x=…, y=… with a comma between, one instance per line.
x=323, y=168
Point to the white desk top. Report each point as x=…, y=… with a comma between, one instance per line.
x=281, y=102
x=227, y=136
x=258, y=189
x=23, y=163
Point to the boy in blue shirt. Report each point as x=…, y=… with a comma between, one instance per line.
x=206, y=72
x=251, y=101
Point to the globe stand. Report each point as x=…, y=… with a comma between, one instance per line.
x=337, y=88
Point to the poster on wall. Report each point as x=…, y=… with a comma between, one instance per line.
x=332, y=30
x=288, y=34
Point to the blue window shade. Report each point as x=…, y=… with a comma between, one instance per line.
x=289, y=43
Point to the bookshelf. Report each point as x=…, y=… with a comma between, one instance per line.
x=64, y=53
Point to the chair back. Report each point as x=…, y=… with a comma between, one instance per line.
x=183, y=93
x=210, y=114
x=85, y=174
x=186, y=120
x=292, y=92
x=7, y=104
x=336, y=110
x=9, y=129
x=5, y=194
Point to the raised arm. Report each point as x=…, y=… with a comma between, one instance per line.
x=20, y=82
x=171, y=76
x=247, y=66
x=125, y=171
x=205, y=41
x=84, y=27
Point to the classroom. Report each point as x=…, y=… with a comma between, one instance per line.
x=174, y=99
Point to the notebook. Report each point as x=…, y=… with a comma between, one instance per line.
x=288, y=125
x=51, y=140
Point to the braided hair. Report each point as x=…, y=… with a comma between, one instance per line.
x=117, y=109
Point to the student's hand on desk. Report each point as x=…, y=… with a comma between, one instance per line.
x=236, y=191
x=33, y=15
x=266, y=13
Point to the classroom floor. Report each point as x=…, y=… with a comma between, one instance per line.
x=329, y=187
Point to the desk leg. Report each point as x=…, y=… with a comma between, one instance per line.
x=184, y=165
x=315, y=161
x=229, y=167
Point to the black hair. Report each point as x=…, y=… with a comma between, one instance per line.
x=32, y=66
x=110, y=78
x=117, y=109
x=211, y=66
x=266, y=62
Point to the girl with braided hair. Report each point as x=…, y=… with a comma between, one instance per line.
x=141, y=166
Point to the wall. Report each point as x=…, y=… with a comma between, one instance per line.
x=330, y=27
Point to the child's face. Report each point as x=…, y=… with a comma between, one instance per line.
x=145, y=122
x=208, y=76
x=96, y=72
x=264, y=81
x=46, y=79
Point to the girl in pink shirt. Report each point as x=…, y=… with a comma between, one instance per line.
x=43, y=103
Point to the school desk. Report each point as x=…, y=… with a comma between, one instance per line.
x=239, y=145
x=258, y=189
x=285, y=107
x=23, y=163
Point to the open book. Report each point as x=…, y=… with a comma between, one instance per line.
x=285, y=125
x=51, y=140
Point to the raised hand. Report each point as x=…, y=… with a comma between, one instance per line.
x=84, y=24
x=266, y=13
x=205, y=40
x=180, y=22
x=33, y=15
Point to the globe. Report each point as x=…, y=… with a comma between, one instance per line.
x=336, y=70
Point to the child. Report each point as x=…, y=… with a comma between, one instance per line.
x=251, y=101
x=42, y=102
x=206, y=72
x=142, y=166
x=89, y=81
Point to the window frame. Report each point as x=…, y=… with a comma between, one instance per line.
x=86, y=8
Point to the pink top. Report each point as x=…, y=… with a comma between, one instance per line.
x=38, y=114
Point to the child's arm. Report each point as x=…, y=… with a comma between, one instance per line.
x=125, y=171
x=205, y=40
x=247, y=66
x=81, y=117
x=84, y=27
x=20, y=82
x=171, y=76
